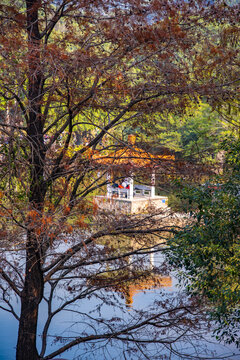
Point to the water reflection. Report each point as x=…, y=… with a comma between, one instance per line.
x=138, y=286
x=135, y=280
x=140, y=289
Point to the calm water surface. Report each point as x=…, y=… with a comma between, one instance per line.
x=62, y=326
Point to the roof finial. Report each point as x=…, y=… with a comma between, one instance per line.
x=131, y=139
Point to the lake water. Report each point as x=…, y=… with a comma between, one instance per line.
x=139, y=298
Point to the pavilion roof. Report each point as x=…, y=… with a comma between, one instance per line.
x=131, y=156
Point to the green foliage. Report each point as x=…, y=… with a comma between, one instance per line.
x=196, y=134
x=177, y=204
x=201, y=132
x=208, y=250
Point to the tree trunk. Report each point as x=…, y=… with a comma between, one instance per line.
x=31, y=297
x=33, y=285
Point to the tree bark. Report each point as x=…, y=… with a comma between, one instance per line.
x=30, y=300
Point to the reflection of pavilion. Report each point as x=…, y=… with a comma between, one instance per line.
x=130, y=287
x=156, y=282
x=127, y=195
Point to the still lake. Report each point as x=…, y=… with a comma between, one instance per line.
x=205, y=346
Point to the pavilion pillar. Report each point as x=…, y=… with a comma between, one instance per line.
x=130, y=188
x=153, y=181
x=109, y=187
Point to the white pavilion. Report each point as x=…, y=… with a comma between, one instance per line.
x=126, y=194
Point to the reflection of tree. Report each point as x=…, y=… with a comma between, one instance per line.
x=100, y=273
